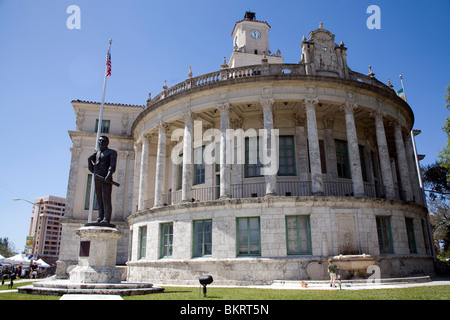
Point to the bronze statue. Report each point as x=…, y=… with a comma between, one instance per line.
x=102, y=163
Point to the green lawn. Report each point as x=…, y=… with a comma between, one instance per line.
x=16, y=284
x=415, y=293
x=215, y=293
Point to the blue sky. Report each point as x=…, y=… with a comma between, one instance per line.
x=44, y=66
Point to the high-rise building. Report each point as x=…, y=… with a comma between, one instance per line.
x=45, y=227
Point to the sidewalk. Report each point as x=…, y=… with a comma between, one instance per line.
x=387, y=283
x=19, y=281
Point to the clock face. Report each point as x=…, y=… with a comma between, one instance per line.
x=255, y=34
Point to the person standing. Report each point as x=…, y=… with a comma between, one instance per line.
x=19, y=270
x=332, y=268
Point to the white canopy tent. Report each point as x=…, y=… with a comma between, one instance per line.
x=41, y=263
x=17, y=259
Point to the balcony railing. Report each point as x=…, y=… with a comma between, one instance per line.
x=285, y=189
x=250, y=71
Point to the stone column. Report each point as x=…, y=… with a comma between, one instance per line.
x=117, y=213
x=383, y=153
x=271, y=180
x=301, y=151
x=74, y=162
x=413, y=176
x=314, y=151
x=225, y=172
x=330, y=146
x=160, y=164
x=236, y=124
x=128, y=208
x=143, y=176
x=186, y=183
x=136, y=176
x=402, y=162
x=353, y=149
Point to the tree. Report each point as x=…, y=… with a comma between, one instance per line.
x=6, y=248
x=435, y=180
x=440, y=220
x=444, y=154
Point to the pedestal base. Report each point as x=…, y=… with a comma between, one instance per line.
x=97, y=260
x=61, y=287
x=87, y=274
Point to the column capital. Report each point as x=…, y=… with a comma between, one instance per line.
x=348, y=107
x=224, y=108
x=188, y=116
x=75, y=151
x=137, y=146
x=267, y=104
x=377, y=114
x=147, y=137
x=311, y=103
x=395, y=124
x=162, y=126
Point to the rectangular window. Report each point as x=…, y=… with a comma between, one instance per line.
x=286, y=156
x=217, y=156
x=202, y=238
x=362, y=158
x=199, y=166
x=248, y=236
x=343, y=167
x=410, y=232
x=298, y=235
x=384, y=234
x=88, y=195
x=252, y=166
x=142, y=242
x=166, y=240
x=180, y=173
x=105, y=126
x=323, y=160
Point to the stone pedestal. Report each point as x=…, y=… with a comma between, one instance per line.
x=97, y=259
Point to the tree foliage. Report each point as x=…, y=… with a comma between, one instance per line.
x=6, y=247
x=435, y=180
x=444, y=153
x=440, y=220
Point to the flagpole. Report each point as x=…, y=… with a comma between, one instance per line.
x=404, y=92
x=99, y=128
x=413, y=142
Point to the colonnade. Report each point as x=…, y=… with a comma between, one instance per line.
x=317, y=184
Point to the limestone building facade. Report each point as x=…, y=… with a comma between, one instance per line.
x=197, y=194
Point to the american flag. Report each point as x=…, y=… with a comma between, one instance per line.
x=108, y=64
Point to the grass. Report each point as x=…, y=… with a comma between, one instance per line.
x=217, y=293
x=16, y=284
x=190, y=293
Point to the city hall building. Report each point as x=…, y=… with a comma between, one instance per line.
x=198, y=194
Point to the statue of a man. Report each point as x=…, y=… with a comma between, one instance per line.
x=102, y=163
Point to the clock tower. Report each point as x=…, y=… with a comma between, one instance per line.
x=251, y=43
